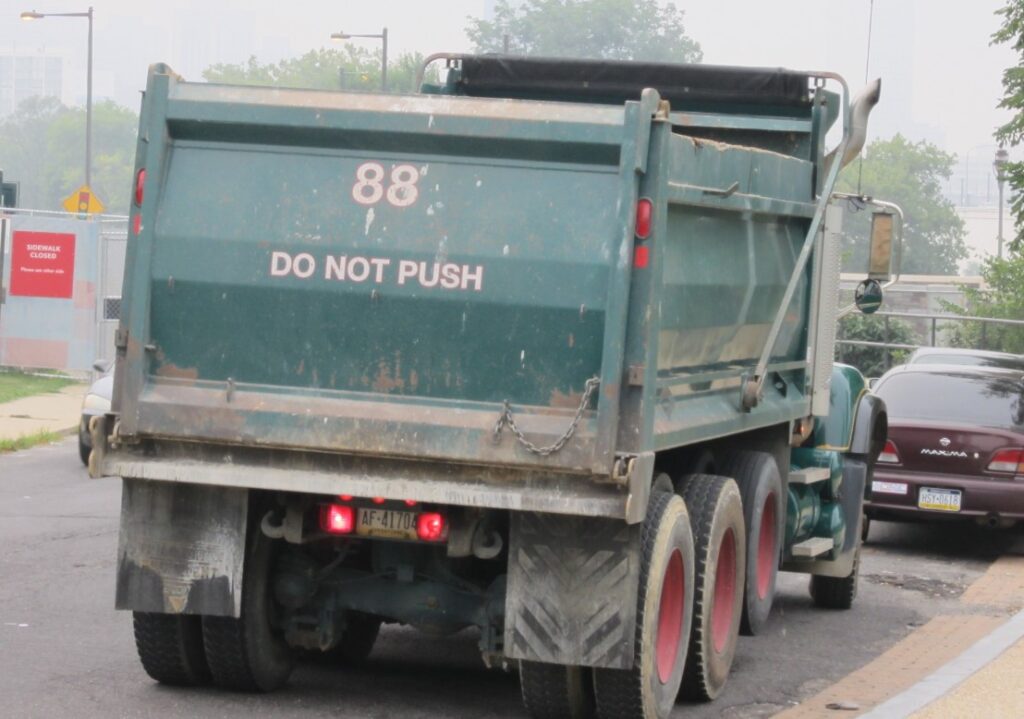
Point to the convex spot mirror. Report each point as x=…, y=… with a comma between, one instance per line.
x=868, y=296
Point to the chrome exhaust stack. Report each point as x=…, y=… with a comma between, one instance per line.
x=860, y=110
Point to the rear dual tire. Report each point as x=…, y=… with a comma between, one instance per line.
x=170, y=647
x=760, y=485
x=716, y=511
x=248, y=653
x=649, y=688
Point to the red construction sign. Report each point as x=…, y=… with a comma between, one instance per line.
x=42, y=264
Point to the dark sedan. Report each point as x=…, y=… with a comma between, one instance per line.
x=955, y=446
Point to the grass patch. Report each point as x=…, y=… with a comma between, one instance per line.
x=15, y=385
x=29, y=440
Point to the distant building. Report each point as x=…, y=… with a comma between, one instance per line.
x=982, y=226
x=25, y=76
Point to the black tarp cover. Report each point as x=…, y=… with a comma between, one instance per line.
x=618, y=81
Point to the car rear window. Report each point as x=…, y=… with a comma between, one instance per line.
x=987, y=401
x=966, y=359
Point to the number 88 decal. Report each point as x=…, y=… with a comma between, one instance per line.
x=369, y=186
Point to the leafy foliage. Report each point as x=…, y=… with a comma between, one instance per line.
x=871, y=361
x=909, y=174
x=42, y=146
x=1012, y=32
x=1003, y=298
x=352, y=67
x=611, y=29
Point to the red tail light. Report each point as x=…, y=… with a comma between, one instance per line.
x=410, y=503
x=641, y=257
x=644, y=215
x=337, y=519
x=140, y=186
x=379, y=500
x=1007, y=460
x=137, y=223
x=890, y=454
x=345, y=497
x=431, y=527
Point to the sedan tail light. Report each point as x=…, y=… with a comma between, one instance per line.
x=1010, y=461
x=889, y=455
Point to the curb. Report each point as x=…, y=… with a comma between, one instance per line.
x=945, y=679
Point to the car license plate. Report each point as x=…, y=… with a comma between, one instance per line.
x=940, y=500
x=386, y=523
x=888, y=487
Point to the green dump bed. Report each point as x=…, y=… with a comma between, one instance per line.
x=374, y=275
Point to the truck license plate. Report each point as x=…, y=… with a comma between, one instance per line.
x=940, y=500
x=386, y=523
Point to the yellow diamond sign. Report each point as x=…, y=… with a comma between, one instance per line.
x=82, y=201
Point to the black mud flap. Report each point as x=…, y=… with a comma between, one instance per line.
x=181, y=548
x=572, y=590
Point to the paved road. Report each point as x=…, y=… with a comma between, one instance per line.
x=64, y=651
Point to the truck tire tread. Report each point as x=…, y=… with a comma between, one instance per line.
x=703, y=496
x=836, y=592
x=554, y=691
x=245, y=654
x=750, y=471
x=170, y=647
x=620, y=693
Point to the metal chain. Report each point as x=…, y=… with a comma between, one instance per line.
x=507, y=419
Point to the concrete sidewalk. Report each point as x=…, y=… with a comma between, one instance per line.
x=963, y=665
x=58, y=411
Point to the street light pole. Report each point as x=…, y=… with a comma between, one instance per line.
x=383, y=37
x=384, y=60
x=88, y=110
x=999, y=164
x=33, y=15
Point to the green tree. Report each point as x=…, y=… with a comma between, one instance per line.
x=611, y=29
x=352, y=67
x=42, y=146
x=1003, y=298
x=1011, y=32
x=911, y=175
x=870, y=328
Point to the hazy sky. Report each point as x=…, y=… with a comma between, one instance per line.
x=941, y=79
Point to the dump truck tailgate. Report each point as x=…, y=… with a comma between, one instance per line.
x=374, y=274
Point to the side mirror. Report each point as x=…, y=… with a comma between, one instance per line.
x=880, y=250
x=868, y=296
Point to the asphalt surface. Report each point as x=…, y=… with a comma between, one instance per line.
x=64, y=651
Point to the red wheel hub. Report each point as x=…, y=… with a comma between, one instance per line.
x=766, y=549
x=725, y=591
x=670, y=616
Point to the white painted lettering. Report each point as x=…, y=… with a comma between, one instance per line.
x=335, y=267
x=280, y=264
x=303, y=265
x=406, y=269
x=379, y=263
x=358, y=269
x=449, y=276
x=423, y=275
x=476, y=276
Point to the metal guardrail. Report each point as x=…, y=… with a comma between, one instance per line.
x=934, y=319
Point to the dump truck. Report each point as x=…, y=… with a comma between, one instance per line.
x=544, y=351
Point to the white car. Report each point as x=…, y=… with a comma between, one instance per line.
x=97, y=401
